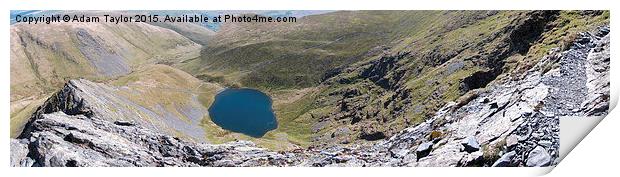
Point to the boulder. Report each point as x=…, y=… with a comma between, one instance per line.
x=474, y=159
x=505, y=160
x=470, y=144
x=539, y=157
x=512, y=141
x=424, y=150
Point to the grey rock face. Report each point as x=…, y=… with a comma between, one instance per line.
x=424, y=149
x=470, y=144
x=473, y=159
x=597, y=71
x=505, y=160
x=19, y=154
x=98, y=54
x=539, y=157
x=512, y=141
x=58, y=139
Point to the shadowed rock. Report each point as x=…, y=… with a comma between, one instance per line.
x=539, y=157
x=424, y=149
x=470, y=144
x=505, y=160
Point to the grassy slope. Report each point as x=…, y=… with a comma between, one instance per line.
x=284, y=57
x=418, y=35
x=433, y=86
x=566, y=27
x=281, y=57
x=293, y=55
x=161, y=85
x=43, y=57
x=194, y=32
x=154, y=85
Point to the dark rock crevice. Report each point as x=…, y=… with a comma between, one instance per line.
x=64, y=101
x=530, y=29
x=372, y=136
x=477, y=80
x=384, y=72
x=521, y=35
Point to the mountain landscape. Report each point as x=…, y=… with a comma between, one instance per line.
x=346, y=88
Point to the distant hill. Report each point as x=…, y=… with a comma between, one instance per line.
x=44, y=56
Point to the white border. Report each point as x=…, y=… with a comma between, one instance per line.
x=596, y=155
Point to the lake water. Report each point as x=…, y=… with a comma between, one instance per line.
x=246, y=111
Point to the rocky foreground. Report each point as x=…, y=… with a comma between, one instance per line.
x=511, y=123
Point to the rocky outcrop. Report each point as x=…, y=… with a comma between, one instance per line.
x=470, y=144
x=596, y=101
x=423, y=150
x=83, y=97
x=505, y=160
x=19, y=154
x=58, y=139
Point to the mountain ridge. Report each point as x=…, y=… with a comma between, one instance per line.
x=42, y=59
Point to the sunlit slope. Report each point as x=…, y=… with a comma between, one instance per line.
x=167, y=98
x=296, y=55
x=44, y=56
x=195, y=32
x=159, y=97
x=452, y=58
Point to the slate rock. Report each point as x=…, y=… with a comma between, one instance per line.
x=470, y=144
x=505, y=160
x=424, y=149
x=539, y=157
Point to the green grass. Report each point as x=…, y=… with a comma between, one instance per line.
x=20, y=117
x=566, y=27
x=294, y=119
x=296, y=55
